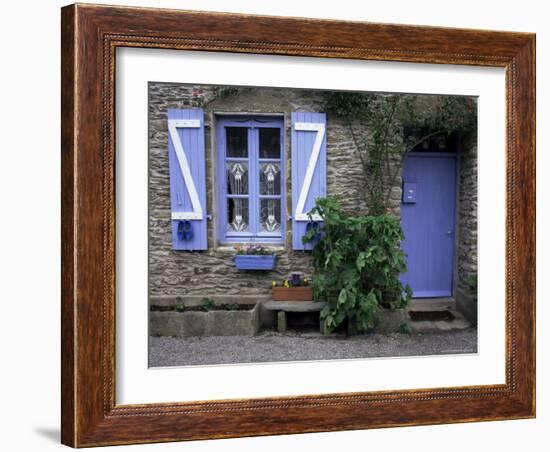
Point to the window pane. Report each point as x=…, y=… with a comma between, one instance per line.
x=270, y=215
x=237, y=142
x=270, y=179
x=237, y=178
x=237, y=215
x=270, y=143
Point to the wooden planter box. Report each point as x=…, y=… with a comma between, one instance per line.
x=255, y=261
x=304, y=293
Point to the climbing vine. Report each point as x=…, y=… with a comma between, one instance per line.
x=358, y=259
x=385, y=128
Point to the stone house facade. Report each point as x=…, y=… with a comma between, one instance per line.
x=211, y=271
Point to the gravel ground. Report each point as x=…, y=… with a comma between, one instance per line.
x=271, y=346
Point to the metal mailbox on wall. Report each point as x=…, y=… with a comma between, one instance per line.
x=409, y=191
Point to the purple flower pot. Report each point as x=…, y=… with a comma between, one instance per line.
x=255, y=261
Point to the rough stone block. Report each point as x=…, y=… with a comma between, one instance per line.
x=467, y=306
x=193, y=323
x=233, y=323
x=389, y=321
x=322, y=328
x=281, y=321
x=212, y=323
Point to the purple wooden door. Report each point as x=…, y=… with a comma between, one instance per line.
x=428, y=220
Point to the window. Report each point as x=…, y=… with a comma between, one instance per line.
x=251, y=188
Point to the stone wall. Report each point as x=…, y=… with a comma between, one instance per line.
x=212, y=272
x=467, y=215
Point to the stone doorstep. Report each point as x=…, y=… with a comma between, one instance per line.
x=432, y=304
x=437, y=304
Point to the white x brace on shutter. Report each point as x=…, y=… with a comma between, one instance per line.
x=173, y=125
x=299, y=214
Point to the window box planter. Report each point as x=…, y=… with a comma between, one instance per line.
x=303, y=293
x=255, y=261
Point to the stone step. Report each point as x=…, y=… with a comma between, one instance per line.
x=432, y=304
x=438, y=326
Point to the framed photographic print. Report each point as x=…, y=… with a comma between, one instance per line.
x=282, y=225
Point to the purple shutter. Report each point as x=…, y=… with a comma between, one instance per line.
x=187, y=179
x=308, y=132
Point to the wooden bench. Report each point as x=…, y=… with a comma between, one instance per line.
x=282, y=307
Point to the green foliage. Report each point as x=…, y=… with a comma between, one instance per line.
x=357, y=262
x=349, y=104
x=207, y=304
x=232, y=306
x=180, y=307
x=225, y=91
x=405, y=328
x=384, y=128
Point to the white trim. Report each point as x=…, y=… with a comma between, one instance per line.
x=187, y=215
x=185, y=123
x=299, y=214
x=173, y=125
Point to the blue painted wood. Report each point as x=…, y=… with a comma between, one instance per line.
x=192, y=140
x=255, y=262
x=429, y=224
x=301, y=149
x=253, y=123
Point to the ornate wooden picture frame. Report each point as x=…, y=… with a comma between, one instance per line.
x=90, y=37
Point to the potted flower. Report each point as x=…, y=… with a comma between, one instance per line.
x=295, y=288
x=254, y=257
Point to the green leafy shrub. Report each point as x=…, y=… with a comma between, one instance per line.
x=207, y=304
x=232, y=307
x=405, y=328
x=180, y=307
x=357, y=262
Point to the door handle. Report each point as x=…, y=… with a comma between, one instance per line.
x=449, y=232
